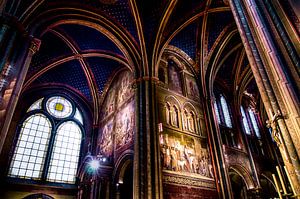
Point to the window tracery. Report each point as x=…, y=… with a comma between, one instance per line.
x=49, y=142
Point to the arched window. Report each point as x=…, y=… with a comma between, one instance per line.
x=254, y=122
x=49, y=142
x=226, y=113
x=245, y=122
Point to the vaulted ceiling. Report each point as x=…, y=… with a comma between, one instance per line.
x=85, y=42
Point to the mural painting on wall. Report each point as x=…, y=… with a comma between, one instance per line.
x=191, y=87
x=124, y=87
x=106, y=142
x=109, y=104
x=125, y=122
x=184, y=154
x=174, y=79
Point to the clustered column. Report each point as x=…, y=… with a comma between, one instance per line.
x=274, y=84
x=16, y=51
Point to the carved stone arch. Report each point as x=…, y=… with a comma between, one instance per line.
x=181, y=60
x=177, y=62
x=123, y=175
x=191, y=123
x=173, y=101
x=121, y=164
x=268, y=177
x=244, y=174
x=189, y=106
x=55, y=16
x=175, y=112
x=179, y=57
x=268, y=188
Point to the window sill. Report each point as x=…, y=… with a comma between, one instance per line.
x=39, y=184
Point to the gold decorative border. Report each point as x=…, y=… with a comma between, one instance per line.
x=186, y=180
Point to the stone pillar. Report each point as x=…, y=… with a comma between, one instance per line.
x=276, y=90
x=14, y=62
x=216, y=146
x=147, y=179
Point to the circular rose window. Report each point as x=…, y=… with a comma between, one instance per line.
x=59, y=107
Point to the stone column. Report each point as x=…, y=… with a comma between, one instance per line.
x=14, y=62
x=278, y=95
x=216, y=145
x=147, y=180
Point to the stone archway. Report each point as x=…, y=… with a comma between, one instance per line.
x=241, y=182
x=124, y=180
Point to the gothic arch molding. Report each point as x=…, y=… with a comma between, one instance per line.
x=244, y=174
x=66, y=15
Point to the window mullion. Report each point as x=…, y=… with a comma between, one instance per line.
x=49, y=152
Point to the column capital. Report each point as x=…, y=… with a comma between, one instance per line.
x=137, y=81
x=35, y=45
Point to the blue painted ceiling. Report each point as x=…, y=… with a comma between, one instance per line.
x=87, y=39
x=69, y=73
x=186, y=40
x=217, y=23
x=102, y=69
x=52, y=48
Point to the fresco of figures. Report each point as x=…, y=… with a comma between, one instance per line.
x=125, y=122
x=109, y=104
x=124, y=87
x=180, y=154
x=106, y=141
x=191, y=87
x=117, y=115
x=174, y=79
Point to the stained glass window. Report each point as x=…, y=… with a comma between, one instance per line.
x=254, y=122
x=30, y=152
x=33, y=145
x=36, y=105
x=217, y=112
x=226, y=112
x=65, y=155
x=245, y=122
x=59, y=107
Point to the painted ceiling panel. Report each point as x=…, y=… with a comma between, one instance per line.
x=88, y=38
x=122, y=13
x=102, y=69
x=52, y=47
x=184, y=10
x=217, y=3
x=225, y=72
x=151, y=13
x=118, y=10
x=70, y=74
x=186, y=40
x=217, y=22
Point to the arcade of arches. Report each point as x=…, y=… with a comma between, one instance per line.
x=122, y=99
